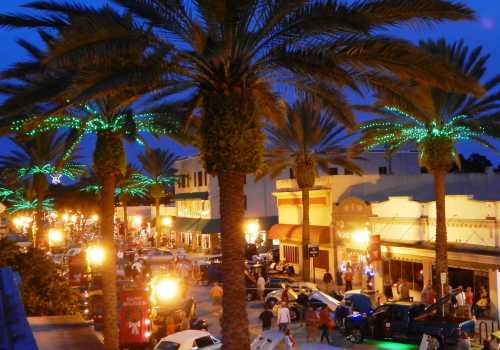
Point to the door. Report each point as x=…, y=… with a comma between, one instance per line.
x=399, y=322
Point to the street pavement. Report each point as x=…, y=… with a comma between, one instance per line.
x=205, y=310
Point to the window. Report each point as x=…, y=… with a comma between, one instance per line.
x=292, y=175
x=291, y=254
x=245, y=180
x=245, y=202
x=382, y=170
x=206, y=182
x=347, y=172
x=183, y=182
x=200, y=178
x=203, y=342
x=205, y=241
x=333, y=171
x=321, y=262
x=423, y=170
x=194, y=179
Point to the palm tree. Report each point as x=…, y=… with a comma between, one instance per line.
x=310, y=139
x=436, y=121
x=34, y=159
x=159, y=165
x=222, y=62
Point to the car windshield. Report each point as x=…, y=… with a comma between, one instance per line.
x=203, y=341
x=167, y=345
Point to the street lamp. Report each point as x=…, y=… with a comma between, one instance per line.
x=55, y=237
x=252, y=231
x=95, y=255
x=361, y=238
x=95, y=217
x=167, y=221
x=138, y=221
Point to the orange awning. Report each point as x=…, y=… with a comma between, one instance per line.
x=285, y=232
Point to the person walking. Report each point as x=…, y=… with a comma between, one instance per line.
x=428, y=295
x=266, y=317
x=327, y=280
x=261, y=287
x=284, y=318
x=469, y=296
x=216, y=294
x=312, y=321
x=285, y=296
x=290, y=343
x=324, y=324
x=348, y=279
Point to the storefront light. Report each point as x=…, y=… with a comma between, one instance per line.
x=166, y=221
x=137, y=221
x=361, y=237
x=55, y=237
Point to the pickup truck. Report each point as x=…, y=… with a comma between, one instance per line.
x=407, y=322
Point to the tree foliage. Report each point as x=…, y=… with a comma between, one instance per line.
x=44, y=290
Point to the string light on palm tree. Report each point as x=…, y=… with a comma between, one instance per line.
x=18, y=202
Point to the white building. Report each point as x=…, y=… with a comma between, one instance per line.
x=401, y=210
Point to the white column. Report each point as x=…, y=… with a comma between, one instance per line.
x=494, y=292
x=427, y=271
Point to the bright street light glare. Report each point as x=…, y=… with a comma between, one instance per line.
x=253, y=227
x=95, y=255
x=361, y=237
x=55, y=236
x=167, y=221
x=166, y=289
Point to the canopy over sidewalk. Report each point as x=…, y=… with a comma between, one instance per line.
x=63, y=333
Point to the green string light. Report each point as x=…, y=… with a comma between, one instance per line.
x=70, y=170
x=18, y=202
x=395, y=134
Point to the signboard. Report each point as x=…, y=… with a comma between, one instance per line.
x=443, y=277
x=313, y=251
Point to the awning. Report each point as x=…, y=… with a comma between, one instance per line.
x=285, y=232
x=191, y=195
x=181, y=224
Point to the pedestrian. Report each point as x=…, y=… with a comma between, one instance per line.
x=266, y=318
x=388, y=289
x=404, y=291
x=428, y=294
x=303, y=302
x=312, y=321
x=327, y=280
x=290, y=343
x=261, y=287
x=460, y=297
x=469, y=296
x=285, y=296
x=283, y=317
x=324, y=324
x=348, y=279
x=216, y=294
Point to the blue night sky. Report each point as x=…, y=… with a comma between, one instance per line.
x=484, y=31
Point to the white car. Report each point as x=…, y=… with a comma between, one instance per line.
x=188, y=340
x=320, y=298
x=269, y=340
x=274, y=297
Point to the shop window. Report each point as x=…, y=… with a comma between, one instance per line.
x=321, y=262
x=347, y=172
x=333, y=171
x=291, y=254
x=411, y=272
x=194, y=179
x=200, y=178
x=382, y=170
x=292, y=175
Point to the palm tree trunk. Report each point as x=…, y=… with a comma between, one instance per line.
x=40, y=239
x=157, y=222
x=306, y=267
x=234, y=320
x=109, y=266
x=125, y=221
x=441, y=235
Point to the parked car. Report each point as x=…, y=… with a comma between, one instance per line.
x=407, y=321
x=188, y=340
x=274, y=296
x=269, y=340
x=274, y=283
x=319, y=299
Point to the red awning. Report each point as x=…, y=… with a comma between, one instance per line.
x=318, y=234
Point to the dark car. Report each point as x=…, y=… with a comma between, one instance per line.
x=408, y=322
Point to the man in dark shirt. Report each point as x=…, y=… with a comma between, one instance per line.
x=266, y=317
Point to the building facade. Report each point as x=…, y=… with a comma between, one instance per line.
x=345, y=210
x=196, y=224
